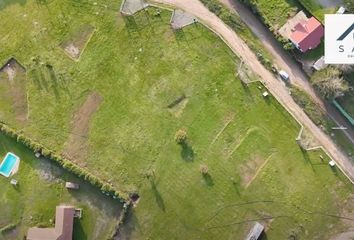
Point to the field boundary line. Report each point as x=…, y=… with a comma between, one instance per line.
x=222, y=129
x=259, y=170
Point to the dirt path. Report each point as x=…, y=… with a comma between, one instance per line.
x=76, y=147
x=241, y=49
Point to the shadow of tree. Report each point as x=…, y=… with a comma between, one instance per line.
x=6, y=3
x=187, y=152
x=208, y=180
x=158, y=197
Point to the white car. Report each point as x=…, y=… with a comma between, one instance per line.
x=284, y=75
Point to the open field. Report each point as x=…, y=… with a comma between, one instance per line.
x=152, y=82
x=41, y=189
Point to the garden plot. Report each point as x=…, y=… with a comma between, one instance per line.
x=13, y=90
x=77, y=41
x=76, y=146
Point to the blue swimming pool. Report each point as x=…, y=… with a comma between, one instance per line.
x=8, y=164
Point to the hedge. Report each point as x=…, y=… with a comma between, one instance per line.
x=123, y=197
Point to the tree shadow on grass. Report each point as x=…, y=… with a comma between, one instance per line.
x=263, y=236
x=159, y=200
x=130, y=225
x=208, y=180
x=54, y=80
x=187, y=152
x=306, y=157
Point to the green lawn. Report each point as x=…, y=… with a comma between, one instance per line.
x=41, y=189
x=139, y=67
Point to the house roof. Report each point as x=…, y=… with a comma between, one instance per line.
x=307, y=34
x=63, y=230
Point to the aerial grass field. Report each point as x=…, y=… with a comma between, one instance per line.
x=116, y=109
x=40, y=189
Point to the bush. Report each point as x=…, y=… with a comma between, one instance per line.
x=181, y=136
x=203, y=168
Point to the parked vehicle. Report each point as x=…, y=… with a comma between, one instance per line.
x=284, y=75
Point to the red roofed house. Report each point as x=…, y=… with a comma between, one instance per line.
x=307, y=35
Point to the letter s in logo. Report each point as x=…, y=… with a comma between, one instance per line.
x=341, y=48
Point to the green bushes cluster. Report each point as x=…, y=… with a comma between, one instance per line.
x=65, y=163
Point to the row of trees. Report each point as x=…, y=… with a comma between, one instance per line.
x=330, y=82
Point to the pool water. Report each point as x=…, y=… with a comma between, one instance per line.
x=8, y=164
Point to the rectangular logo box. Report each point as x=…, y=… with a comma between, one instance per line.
x=339, y=38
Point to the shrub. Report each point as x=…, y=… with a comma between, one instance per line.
x=203, y=168
x=181, y=136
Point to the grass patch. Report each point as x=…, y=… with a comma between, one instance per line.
x=140, y=66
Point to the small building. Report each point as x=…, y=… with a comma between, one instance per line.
x=63, y=230
x=71, y=185
x=265, y=94
x=307, y=35
x=319, y=64
x=255, y=232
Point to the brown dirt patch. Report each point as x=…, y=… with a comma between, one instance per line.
x=14, y=88
x=77, y=145
x=77, y=41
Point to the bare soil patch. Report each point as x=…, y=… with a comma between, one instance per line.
x=15, y=88
x=77, y=145
x=76, y=42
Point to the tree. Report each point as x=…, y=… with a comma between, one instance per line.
x=345, y=68
x=329, y=83
x=349, y=5
x=181, y=136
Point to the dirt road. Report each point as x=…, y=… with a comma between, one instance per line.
x=241, y=49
